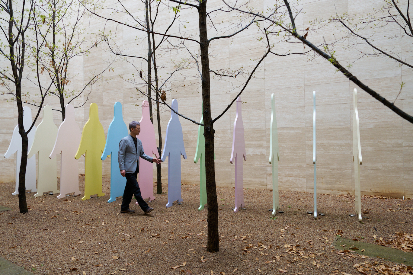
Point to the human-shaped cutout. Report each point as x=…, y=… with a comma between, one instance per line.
x=274, y=156
x=92, y=144
x=357, y=158
x=200, y=155
x=16, y=147
x=314, y=157
x=174, y=148
x=44, y=140
x=147, y=136
x=238, y=152
x=67, y=143
x=117, y=130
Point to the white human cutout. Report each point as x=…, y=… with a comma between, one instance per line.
x=147, y=136
x=314, y=159
x=274, y=157
x=67, y=142
x=16, y=146
x=174, y=148
x=357, y=158
x=44, y=140
x=238, y=152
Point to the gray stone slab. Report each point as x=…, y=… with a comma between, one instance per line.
x=3, y=208
x=373, y=250
x=8, y=268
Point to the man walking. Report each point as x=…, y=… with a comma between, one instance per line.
x=130, y=149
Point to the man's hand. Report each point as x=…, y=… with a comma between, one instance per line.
x=158, y=161
x=123, y=173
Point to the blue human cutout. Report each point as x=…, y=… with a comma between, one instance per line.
x=117, y=130
x=16, y=147
x=174, y=148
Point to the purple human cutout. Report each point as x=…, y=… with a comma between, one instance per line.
x=174, y=148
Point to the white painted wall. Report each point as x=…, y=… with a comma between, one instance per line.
x=386, y=139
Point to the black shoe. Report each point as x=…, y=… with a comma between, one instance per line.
x=127, y=211
x=149, y=210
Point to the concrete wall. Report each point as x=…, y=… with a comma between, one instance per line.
x=386, y=139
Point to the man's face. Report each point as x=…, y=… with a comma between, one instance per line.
x=135, y=131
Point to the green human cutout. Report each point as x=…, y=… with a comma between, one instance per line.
x=200, y=155
x=92, y=145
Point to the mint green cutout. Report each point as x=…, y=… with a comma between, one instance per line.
x=357, y=158
x=200, y=155
x=274, y=157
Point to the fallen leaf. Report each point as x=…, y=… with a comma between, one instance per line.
x=178, y=266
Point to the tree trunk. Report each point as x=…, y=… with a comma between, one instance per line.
x=58, y=79
x=22, y=175
x=25, y=144
x=158, y=118
x=213, y=234
x=148, y=29
x=17, y=75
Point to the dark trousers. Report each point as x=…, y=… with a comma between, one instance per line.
x=132, y=188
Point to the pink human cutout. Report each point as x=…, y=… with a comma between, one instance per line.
x=147, y=136
x=67, y=143
x=238, y=152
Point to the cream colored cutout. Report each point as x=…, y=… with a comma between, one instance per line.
x=44, y=140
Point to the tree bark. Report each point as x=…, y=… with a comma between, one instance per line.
x=148, y=30
x=158, y=116
x=213, y=234
x=17, y=75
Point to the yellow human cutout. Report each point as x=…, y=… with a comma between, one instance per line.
x=92, y=145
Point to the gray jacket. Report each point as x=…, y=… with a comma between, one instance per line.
x=128, y=156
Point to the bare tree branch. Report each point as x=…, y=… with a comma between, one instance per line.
x=407, y=20
x=184, y=3
x=235, y=33
x=133, y=27
x=166, y=104
x=248, y=80
x=93, y=80
x=374, y=47
x=120, y=54
x=350, y=76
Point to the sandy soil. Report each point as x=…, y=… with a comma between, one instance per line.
x=70, y=236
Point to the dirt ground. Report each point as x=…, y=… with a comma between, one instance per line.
x=70, y=236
